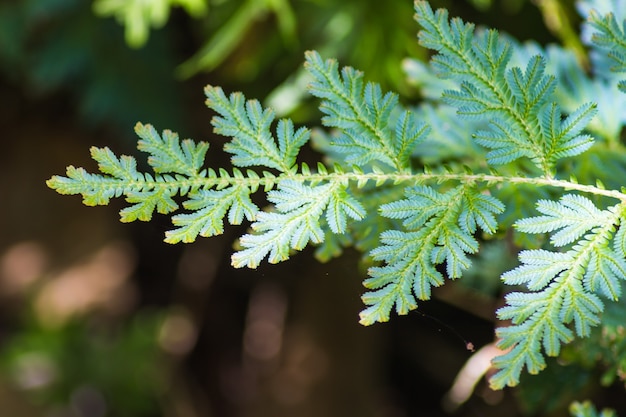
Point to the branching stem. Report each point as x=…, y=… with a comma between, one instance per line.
x=270, y=181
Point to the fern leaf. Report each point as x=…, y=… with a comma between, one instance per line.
x=426, y=233
x=479, y=211
x=531, y=87
x=168, y=154
x=440, y=228
x=209, y=208
x=296, y=221
x=565, y=138
x=604, y=272
x=363, y=114
x=538, y=268
x=178, y=168
x=611, y=37
x=511, y=100
x=408, y=134
x=146, y=203
x=564, y=286
x=574, y=215
x=95, y=189
x=248, y=124
x=124, y=167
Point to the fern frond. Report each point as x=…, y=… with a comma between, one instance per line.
x=178, y=170
x=511, y=99
x=574, y=215
x=296, y=221
x=363, y=114
x=439, y=230
x=611, y=37
x=168, y=153
x=564, y=137
x=146, y=203
x=576, y=86
x=209, y=208
x=418, y=226
x=95, y=189
x=122, y=178
x=564, y=286
x=248, y=124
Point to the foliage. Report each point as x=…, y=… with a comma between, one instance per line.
x=258, y=37
x=587, y=410
x=138, y=15
x=607, y=344
x=64, y=366
x=54, y=47
x=433, y=208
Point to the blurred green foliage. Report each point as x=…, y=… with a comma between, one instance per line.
x=94, y=370
x=49, y=47
x=138, y=16
x=119, y=58
x=586, y=409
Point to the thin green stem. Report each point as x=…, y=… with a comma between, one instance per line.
x=379, y=178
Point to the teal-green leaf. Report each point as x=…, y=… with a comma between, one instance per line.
x=168, y=153
x=573, y=214
x=295, y=221
x=146, y=202
x=209, y=208
x=249, y=125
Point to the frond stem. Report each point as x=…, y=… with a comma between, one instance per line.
x=377, y=177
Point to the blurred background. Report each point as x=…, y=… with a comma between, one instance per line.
x=99, y=318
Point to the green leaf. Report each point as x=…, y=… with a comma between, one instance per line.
x=248, y=124
x=574, y=215
x=296, y=221
x=168, y=153
x=610, y=37
x=512, y=100
x=124, y=167
x=209, y=208
x=418, y=206
x=363, y=114
x=563, y=286
x=95, y=189
x=439, y=231
x=146, y=203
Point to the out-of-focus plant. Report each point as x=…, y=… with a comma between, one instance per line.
x=59, y=47
x=93, y=371
x=586, y=409
x=222, y=40
x=138, y=16
x=259, y=33
x=82, y=347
